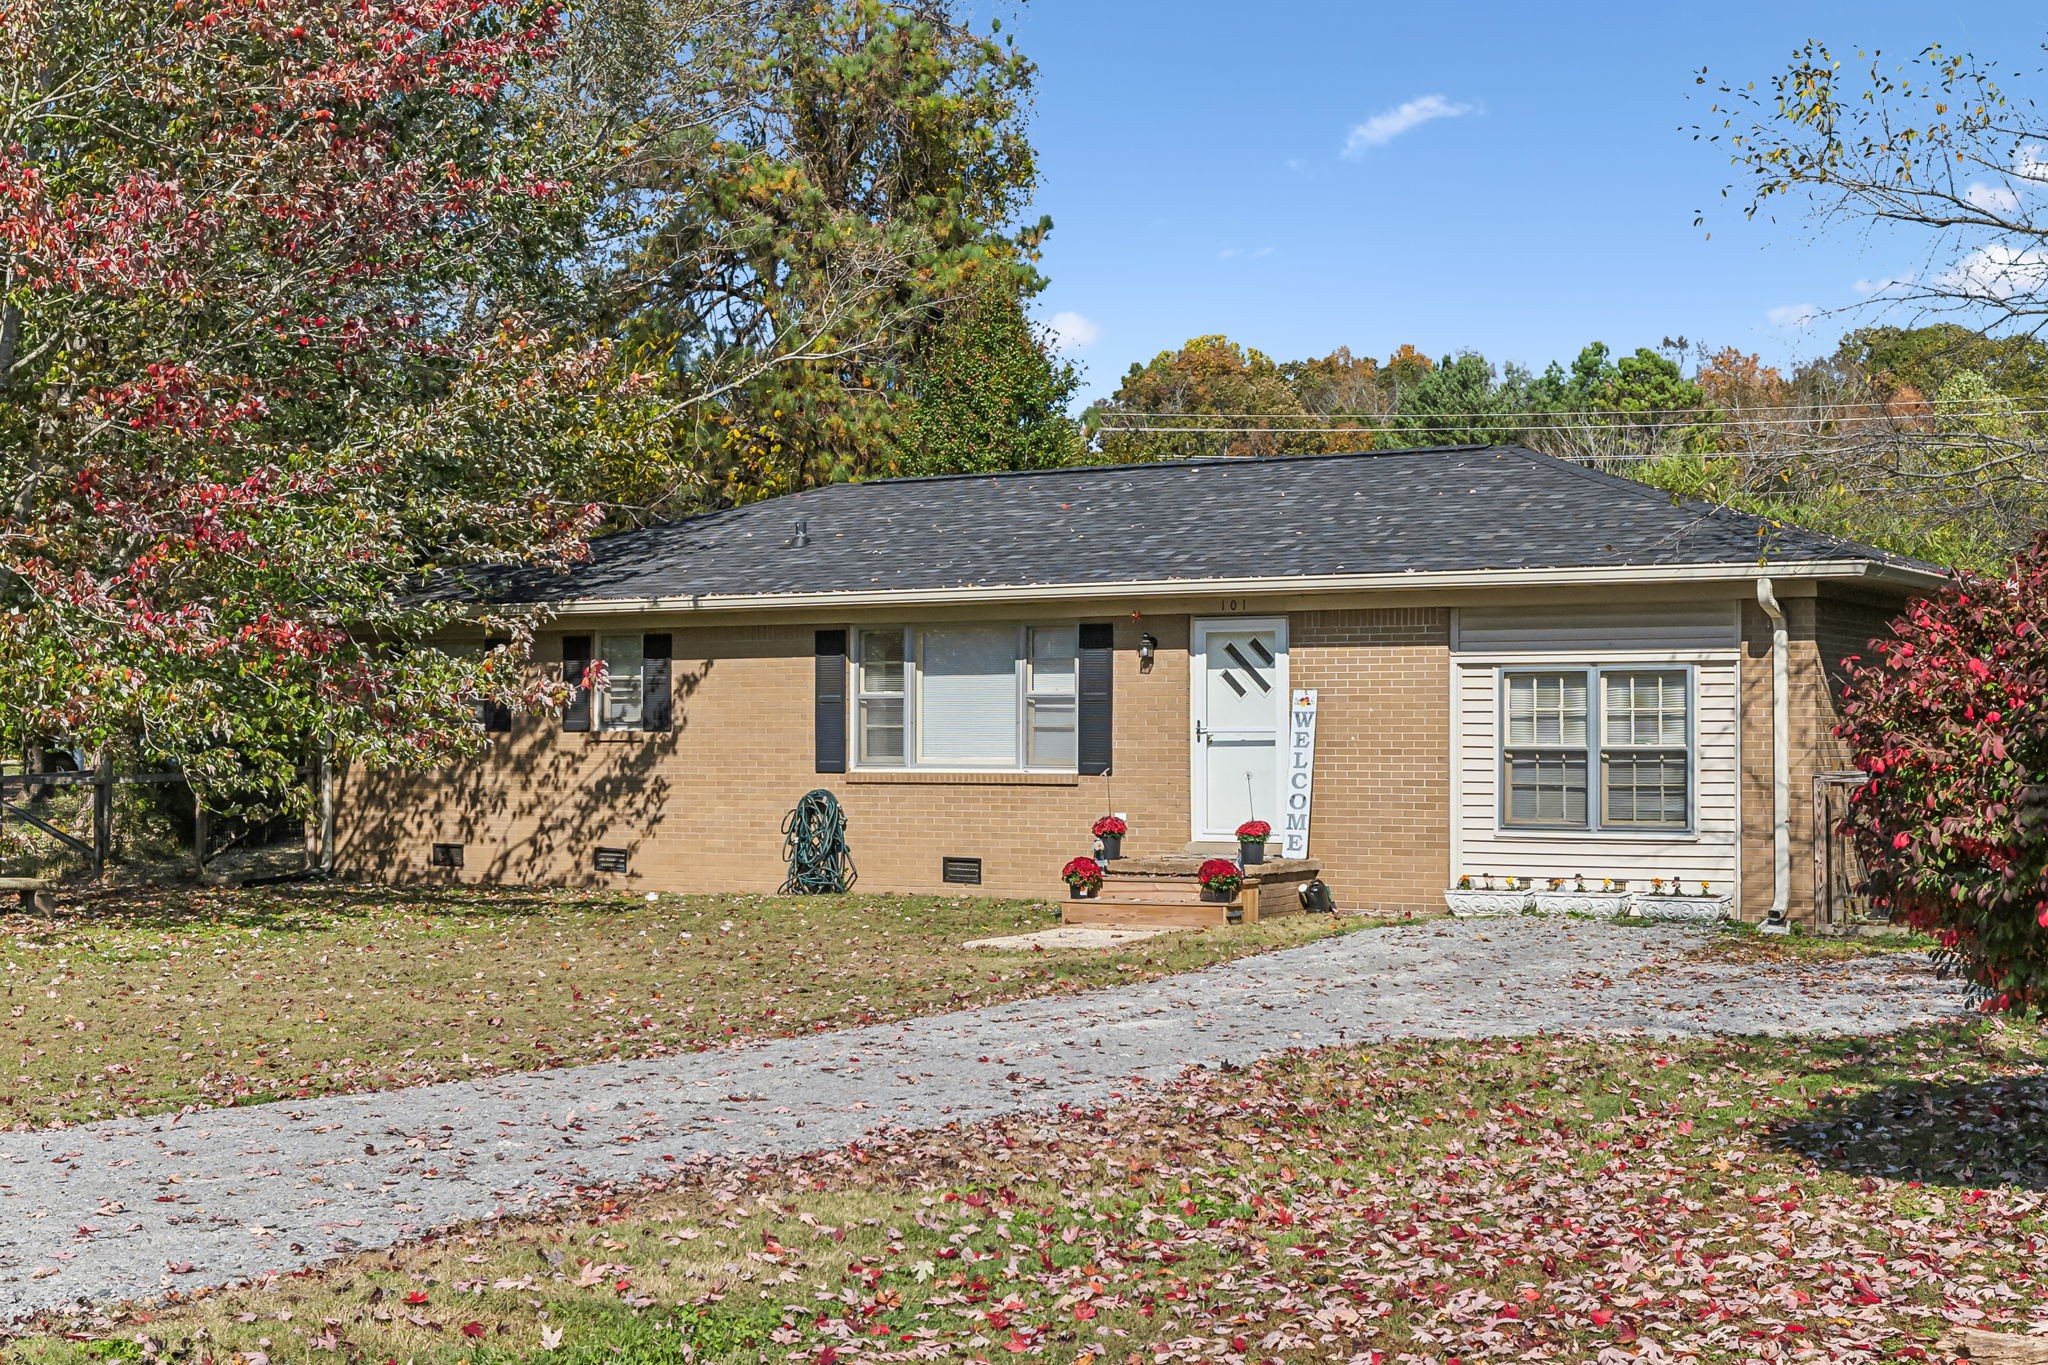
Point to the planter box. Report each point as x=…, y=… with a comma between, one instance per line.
x=1695, y=909
x=1486, y=904
x=1604, y=904
x=1218, y=896
x=1083, y=893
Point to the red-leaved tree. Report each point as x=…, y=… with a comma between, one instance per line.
x=1949, y=719
x=270, y=357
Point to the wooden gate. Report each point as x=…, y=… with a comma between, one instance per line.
x=1841, y=883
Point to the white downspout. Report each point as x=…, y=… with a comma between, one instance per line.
x=1775, y=922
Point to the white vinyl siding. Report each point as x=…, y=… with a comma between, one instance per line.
x=1587, y=630
x=1638, y=779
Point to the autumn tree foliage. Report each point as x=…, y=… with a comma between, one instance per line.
x=1949, y=719
x=268, y=357
x=822, y=198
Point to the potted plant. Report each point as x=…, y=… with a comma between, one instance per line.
x=1083, y=877
x=1111, y=831
x=1581, y=899
x=1480, y=897
x=1251, y=842
x=1669, y=900
x=1220, y=879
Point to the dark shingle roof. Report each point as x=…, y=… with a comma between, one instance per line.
x=1452, y=509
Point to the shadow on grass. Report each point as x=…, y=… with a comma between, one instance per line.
x=1963, y=1135
x=307, y=908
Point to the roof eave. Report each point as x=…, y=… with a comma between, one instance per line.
x=1900, y=576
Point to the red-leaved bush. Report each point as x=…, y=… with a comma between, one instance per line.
x=1949, y=719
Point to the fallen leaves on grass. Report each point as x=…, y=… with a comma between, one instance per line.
x=1539, y=1199
x=142, y=1004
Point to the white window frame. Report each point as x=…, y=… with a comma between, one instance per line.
x=1596, y=750
x=600, y=697
x=913, y=689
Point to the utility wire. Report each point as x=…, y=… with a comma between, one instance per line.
x=1699, y=416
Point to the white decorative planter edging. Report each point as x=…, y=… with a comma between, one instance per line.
x=1486, y=904
x=1604, y=904
x=1698, y=909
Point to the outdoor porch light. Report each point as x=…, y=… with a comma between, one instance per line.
x=1148, y=645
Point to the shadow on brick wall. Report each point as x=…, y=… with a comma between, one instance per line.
x=533, y=811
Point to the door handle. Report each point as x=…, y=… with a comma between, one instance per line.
x=1200, y=731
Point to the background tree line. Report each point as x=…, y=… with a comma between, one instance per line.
x=1926, y=440
x=306, y=306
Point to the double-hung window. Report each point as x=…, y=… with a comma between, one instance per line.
x=966, y=697
x=1596, y=748
x=624, y=696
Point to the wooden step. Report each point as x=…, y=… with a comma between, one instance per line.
x=1115, y=914
x=1151, y=888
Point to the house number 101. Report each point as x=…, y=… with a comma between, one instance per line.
x=1233, y=604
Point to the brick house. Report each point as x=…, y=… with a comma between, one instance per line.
x=1522, y=667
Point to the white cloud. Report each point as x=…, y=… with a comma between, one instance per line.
x=2030, y=162
x=1992, y=198
x=1232, y=252
x=1998, y=271
x=1072, y=332
x=1389, y=124
x=1796, y=317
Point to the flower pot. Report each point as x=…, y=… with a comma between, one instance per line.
x=1604, y=904
x=1083, y=893
x=1485, y=904
x=1112, y=847
x=1251, y=855
x=1689, y=909
x=1217, y=895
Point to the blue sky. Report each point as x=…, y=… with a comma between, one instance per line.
x=1508, y=178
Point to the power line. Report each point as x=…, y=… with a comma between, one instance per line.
x=1423, y=424
x=1987, y=408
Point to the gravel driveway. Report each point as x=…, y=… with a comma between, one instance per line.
x=131, y=1208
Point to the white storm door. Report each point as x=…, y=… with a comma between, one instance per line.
x=1240, y=716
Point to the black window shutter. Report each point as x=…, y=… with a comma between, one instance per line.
x=575, y=662
x=496, y=717
x=1095, y=724
x=831, y=701
x=658, y=709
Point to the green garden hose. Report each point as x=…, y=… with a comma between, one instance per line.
x=814, y=846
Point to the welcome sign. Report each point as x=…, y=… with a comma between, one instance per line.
x=1301, y=774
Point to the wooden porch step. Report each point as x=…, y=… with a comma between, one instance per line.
x=1138, y=914
x=1150, y=888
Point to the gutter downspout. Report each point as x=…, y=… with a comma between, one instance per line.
x=1775, y=922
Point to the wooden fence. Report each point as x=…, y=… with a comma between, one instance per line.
x=17, y=789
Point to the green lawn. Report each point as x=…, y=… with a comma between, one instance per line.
x=1715, y=1201
x=141, y=1003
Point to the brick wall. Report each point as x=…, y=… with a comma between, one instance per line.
x=1382, y=816
x=1821, y=632
x=700, y=808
